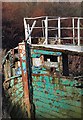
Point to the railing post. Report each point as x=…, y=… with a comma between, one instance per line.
x=73, y=31
x=29, y=33
x=25, y=26
x=59, y=32
x=78, y=25
x=46, y=30
x=43, y=28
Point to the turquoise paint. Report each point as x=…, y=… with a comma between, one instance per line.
x=41, y=103
x=40, y=94
x=64, y=106
x=18, y=71
x=64, y=82
x=18, y=92
x=55, y=109
x=43, y=68
x=54, y=95
x=80, y=91
x=47, y=52
x=46, y=78
x=21, y=89
x=39, y=83
x=19, y=80
x=40, y=89
x=40, y=78
x=23, y=58
x=72, y=83
x=39, y=70
x=50, y=78
x=24, y=67
x=18, y=97
x=12, y=83
x=62, y=93
x=58, y=91
x=56, y=104
x=35, y=55
x=34, y=78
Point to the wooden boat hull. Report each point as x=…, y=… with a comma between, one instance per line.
x=41, y=90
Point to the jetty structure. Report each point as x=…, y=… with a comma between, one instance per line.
x=37, y=79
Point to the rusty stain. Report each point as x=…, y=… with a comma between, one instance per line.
x=54, y=95
x=24, y=76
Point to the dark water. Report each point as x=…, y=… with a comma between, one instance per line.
x=4, y=108
x=3, y=101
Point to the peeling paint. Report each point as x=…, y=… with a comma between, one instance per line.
x=24, y=67
x=54, y=95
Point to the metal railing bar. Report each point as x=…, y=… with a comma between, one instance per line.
x=57, y=27
x=74, y=28
x=53, y=29
x=60, y=38
x=78, y=25
x=50, y=17
x=3, y=61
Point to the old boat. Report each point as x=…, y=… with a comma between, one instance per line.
x=37, y=83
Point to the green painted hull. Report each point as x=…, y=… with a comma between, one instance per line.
x=57, y=98
x=52, y=94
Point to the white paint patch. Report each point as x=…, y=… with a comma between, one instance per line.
x=37, y=62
